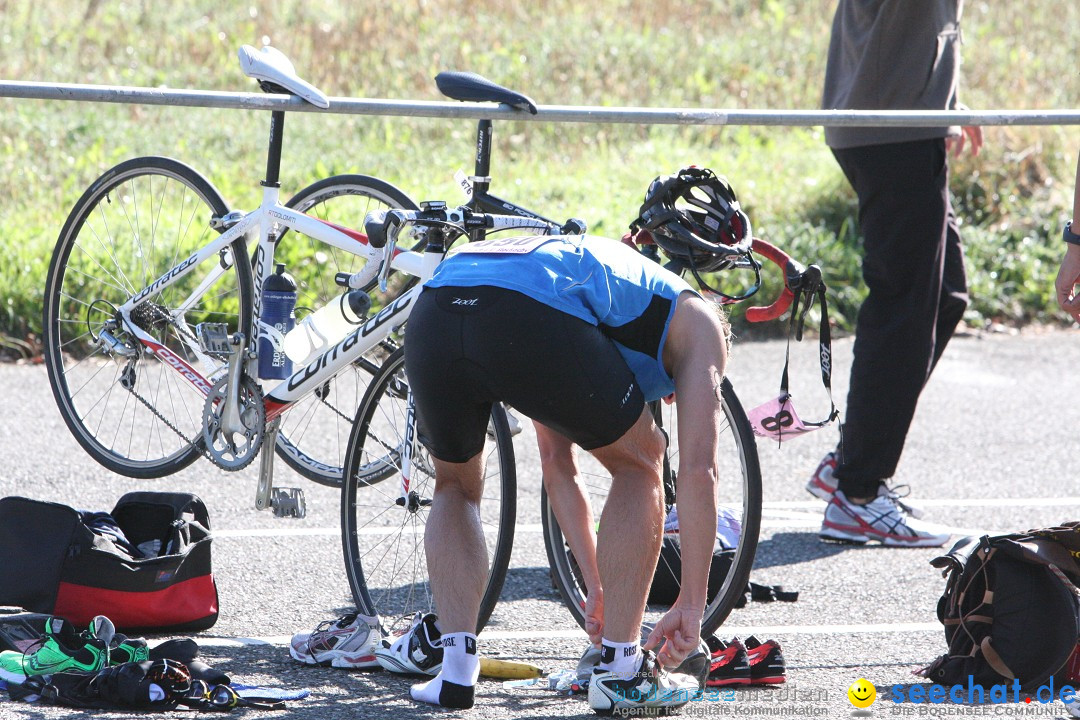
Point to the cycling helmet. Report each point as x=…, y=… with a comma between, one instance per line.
x=695, y=218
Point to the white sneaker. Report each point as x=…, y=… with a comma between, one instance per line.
x=651, y=690
x=348, y=642
x=823, y=483
x=881, y=520
x=417, y=652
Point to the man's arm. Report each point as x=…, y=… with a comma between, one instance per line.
x=696, y=352
x=1068, y=276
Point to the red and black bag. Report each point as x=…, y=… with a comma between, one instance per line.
x=157, y=576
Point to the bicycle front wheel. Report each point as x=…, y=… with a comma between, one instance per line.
x=314, y=433
x=383, y=520
x=138, y=411
x=738, y=496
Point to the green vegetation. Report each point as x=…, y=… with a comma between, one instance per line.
x=658, y=53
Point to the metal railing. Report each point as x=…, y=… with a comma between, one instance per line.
x=547, y=113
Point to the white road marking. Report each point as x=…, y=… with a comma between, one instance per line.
x=775, y=515
x=578, y=634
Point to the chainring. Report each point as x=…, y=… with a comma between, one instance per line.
x=234, y=450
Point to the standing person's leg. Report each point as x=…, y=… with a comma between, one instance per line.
x=452, y=416
x=954, y=292
x=454, y=544
x=570, y=503
x=903, y=210
x=631, y=527
x=457, y=565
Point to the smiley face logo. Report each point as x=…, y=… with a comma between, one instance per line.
x=862, y=693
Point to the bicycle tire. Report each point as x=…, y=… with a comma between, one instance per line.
x=314, y=433
x=738, y=451
x=134, y=223
x=383, y=542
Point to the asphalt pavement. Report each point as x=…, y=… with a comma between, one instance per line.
x=993, y=448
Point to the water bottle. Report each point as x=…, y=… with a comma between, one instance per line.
x=327, y=326
x=278, y=302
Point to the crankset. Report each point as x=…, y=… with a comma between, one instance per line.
x=233, y=436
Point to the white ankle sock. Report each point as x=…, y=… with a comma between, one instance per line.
x=620, y=658
x=454, y=685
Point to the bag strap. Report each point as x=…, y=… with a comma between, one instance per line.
x=994, y=660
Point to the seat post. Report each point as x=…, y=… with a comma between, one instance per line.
x=273, y=157
x=482, y=182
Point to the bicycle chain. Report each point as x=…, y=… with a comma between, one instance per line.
x=191, y=442
x=340, y=414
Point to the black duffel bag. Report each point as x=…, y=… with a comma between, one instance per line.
x=155, y=574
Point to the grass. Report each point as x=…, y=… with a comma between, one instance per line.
x=664, y=53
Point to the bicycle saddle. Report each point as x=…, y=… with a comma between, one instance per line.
x=277, y=75
x=470, y=87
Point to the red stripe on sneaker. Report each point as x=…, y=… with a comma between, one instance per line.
x=728, y=681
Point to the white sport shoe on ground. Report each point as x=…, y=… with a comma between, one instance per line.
x=348, y=642
x=881, y=520
x=652, y=690
x=823, y=483
x=417, y=652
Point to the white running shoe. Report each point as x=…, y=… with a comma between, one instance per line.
x=651, y=690
x=348, y=642
x=881, y=520
x=823, y=483
x=417, y=652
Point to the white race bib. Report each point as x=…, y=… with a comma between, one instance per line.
x=506, y=246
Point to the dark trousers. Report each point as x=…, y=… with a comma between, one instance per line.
x=913, y=265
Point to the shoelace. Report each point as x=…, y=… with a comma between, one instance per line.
x=893, y=492
x=317, y=637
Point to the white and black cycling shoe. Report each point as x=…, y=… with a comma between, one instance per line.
x=417, y=652
x=652, y=690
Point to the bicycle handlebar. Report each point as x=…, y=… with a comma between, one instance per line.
x=383, y=226
x=792, y=270
x=797, y=277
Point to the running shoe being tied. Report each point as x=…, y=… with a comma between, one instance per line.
x=63, y=648
x=881, y=520
x=417, y=652
x=767, y=666
x=652, y=689
x=348, y=642
x=730, y=663
x=823, y=483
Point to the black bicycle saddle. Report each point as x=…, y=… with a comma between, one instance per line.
x=470, y=87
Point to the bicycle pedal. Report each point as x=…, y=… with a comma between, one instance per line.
x=513, y=423
x=289, y=502
x=214, y=338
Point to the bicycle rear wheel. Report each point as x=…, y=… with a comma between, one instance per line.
x=739, y=489
x=383, y=531
x=314, y=434
x=136, y=410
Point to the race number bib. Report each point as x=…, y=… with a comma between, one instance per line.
x=778, y=420
x=506, y=246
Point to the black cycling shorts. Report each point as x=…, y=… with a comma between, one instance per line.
x=467, y=348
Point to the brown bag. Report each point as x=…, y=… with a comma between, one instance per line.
x=1010, y=607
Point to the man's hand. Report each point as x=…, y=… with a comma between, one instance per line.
x=679, y=631
x=594, y=616
x=969, y=133
x=1068, y=278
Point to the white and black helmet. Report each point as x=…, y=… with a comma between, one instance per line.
x=696, y=219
